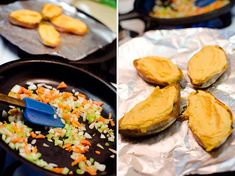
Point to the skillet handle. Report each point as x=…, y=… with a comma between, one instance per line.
x=128, y=16
x=11, y=101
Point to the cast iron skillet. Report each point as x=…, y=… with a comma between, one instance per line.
x=139, y=12
x=52, y=73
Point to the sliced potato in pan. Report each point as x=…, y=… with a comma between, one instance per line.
x=25, y=18
x=50, y=11
x=206, y=66
x=49, y=35
x=154, y=114
x=158, y=70
x=209, y=119
x=68, y=24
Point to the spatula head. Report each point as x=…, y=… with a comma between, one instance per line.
x=41, y=114
x=203, y=3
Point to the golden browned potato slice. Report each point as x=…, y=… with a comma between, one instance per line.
x=158, y=70
x=209, y=119
x=49, y=35
x=154, y=114
x=206, y=66
x=68, y=24
x=25, y=18
x=50, y=11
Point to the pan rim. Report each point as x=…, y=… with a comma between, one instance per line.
x=190, y=19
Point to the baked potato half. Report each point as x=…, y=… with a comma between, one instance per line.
x=206, y=66
x=209, y=119
x=156, y=113
x=158, y=70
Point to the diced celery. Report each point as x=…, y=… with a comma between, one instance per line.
x=58, y=142
x=33, y=156
x=41, y=163
x=65, y=170
x=7, y=140
x=106, y=144
x=80, y=172
x=91, y=117
x=49, y=136
x=12, y=145
x=92, y=160
x=82, y=165
x=9, y=128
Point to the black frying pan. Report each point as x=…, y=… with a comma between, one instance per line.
x=138, y=12
x=52, y=73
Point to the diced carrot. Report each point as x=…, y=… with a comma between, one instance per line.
x=81, y=95
x=67, y=94
x=55, y=96
x=18, y=96
x=76, y=123
x=14, y=127
x=79, y=150
x=61, y=106
x=97, y=152
x=80, y=159
x=26, y=149
x=19, y=139
x=65, y=116
x=62, y=85
x=40, y=90
x=75, y=111
x=33, y=135
x=46, y=98
x=21, y=129
x=90, y=170
x=40, y=136
x=26, y=91
x=67, y=107
x=58, y=170
x=85, y=142
x=112, y=123
x=98, y=103
x=101, y=119
x=34, y=150
x=68, y=147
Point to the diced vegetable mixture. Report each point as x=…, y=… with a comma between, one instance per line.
x=182, y=8
x=70, y=106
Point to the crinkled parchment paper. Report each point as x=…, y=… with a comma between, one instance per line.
x=72, y=47
x=173, y=151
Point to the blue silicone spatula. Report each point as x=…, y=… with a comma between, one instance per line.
x=35, y=111
x=203, y=3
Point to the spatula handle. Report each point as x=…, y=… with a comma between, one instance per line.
x=11, y=101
